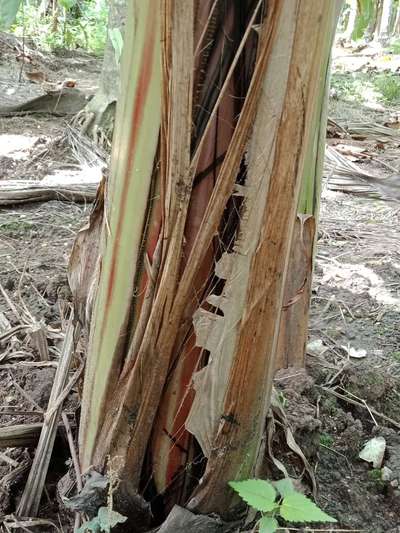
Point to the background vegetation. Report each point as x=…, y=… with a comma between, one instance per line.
x=64, y=24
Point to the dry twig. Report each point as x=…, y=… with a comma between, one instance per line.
x=32, y=494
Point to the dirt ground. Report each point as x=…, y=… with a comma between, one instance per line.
x=35, y=244
x=350, y=392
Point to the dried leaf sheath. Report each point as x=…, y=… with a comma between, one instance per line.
x=172, y=447
x=218, y=334
x=294, y=320
x=237, y=441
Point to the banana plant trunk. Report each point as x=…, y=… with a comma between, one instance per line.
x=217, y=148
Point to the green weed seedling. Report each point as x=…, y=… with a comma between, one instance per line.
x=326, y=440
x=278, y=499
x=394, y=47
x=396, y=356
x=105, y=520
x=389, y=87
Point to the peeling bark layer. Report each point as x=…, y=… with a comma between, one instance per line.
x=199, y=227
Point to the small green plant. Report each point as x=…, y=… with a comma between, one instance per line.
x=394, y=47
x=330, y=405
x=353, y=87
x=282, y=399
x=375, y=476
x=16, y=226
x=396, y=356
x=326, y=440
x=367, y=88
x=278, y=499
x=105, y=520
x=389, y=87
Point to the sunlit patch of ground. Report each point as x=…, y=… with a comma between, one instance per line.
x=358, y=279
x=16, y=146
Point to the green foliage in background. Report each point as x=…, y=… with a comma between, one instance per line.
x=75, y=24
x=8, y=12
x=389, y=87
x=367, y=88
x=275, y=499
x=394, y=47
x=366, y=24
x=366, y=12
x=67, y=4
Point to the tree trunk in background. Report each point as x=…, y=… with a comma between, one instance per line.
x=370, y=12
x=97, y=119
x=384, y=28
x=45, y=6
x=351, y=23
x=215, y=152
x=379, y=8
x=396, y=23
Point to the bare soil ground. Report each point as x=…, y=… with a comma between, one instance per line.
x=35, y=244
x=352, y=390
x=350, y=393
